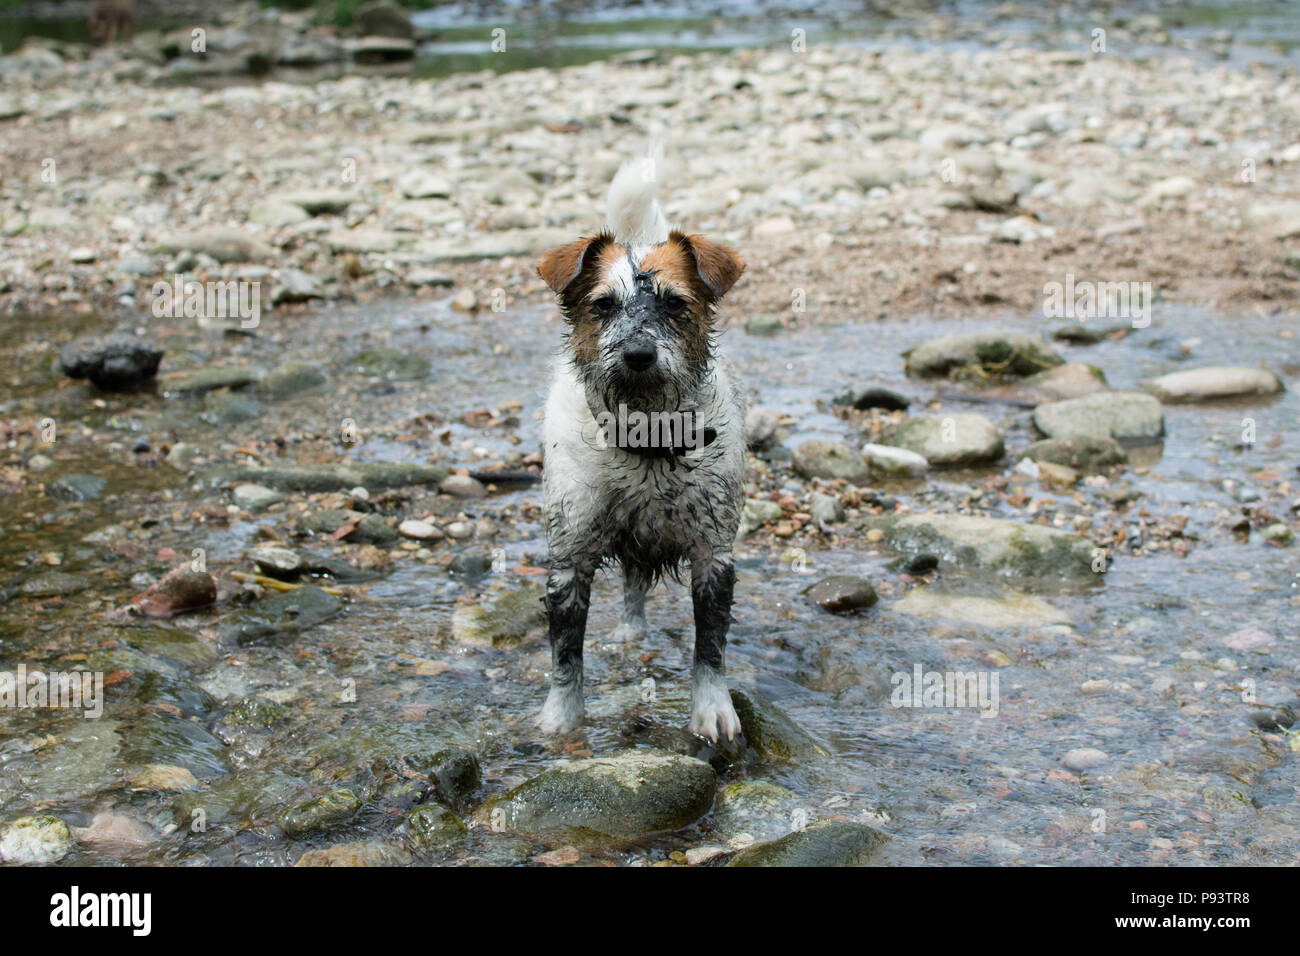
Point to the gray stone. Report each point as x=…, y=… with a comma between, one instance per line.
x=325, y=812
x=290, y=380
x=111, y=361
x=992, y=353
x=823, y=459
x=283, y=615
x=296, y=286
x=255, y=497
x=222, y=243
x=1084, y=453
x=76, y=488
x=772, y=733
x=840, y=593
x=1119, y=415
x=948, y=440
x=829, y=843
x=971, y=543
x=1208, y=384
x=626, y=795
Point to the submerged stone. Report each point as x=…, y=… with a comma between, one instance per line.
x=283, y=615
x=320, y=813
x=626, y=795
x=829, y=843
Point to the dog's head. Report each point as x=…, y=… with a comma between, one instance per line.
x=641, y=315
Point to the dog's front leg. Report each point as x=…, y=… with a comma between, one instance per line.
x=713, y=578
x=568, y=593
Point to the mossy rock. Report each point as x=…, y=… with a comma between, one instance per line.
x=829, y=843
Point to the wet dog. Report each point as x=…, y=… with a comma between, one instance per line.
x=643, y=440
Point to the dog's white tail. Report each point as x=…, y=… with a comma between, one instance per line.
x=632, y=212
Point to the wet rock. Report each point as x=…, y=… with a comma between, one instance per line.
x=283, y=615
x=179, y=590
x=295, y=285
x=991, y=608
x=455, y=775
x=471, y=564
x=274, y=213
x=1084, y=758
x=863, y=397
x=755, y=513
x=1208, y=384
x=760, y=425
x=255, y=497
x=183, y=456
x=841, y=593
x=462, y=486
x=207, y=379
x=112, y=830
x=288, y=564
x=54, y=584
x=1088, y=454
x=290, y=380
x=826, y=509
x=626, y=795
x=418, y=530
x=256, y=712
x=768, y=729
x=222, y=243
x=177, y=742
x=430, y=826
x=377, y=50
x=895, y=462
x=1072, y=380
x=948, y=440
x=991, y=353
x=357, y=854
x=824, y=459
x=163, y=778
x=368, y=529
x=325, y=812
x=760, y=809
x=971, y=543
x=1249, y=639
x=1278, y=534
x=28, y=840
x=393, y=365
x=225, y=408
x=172, y=643
x=504, y=622
x=1119, y=415
x=111, y=362
x=344, y=476
x=829, y=843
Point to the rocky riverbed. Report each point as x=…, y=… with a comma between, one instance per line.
x=304, y=553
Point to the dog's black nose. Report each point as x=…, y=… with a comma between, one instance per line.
x=639, y=357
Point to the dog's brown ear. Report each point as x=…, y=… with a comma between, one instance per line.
x=719, y=267
x=561, y=266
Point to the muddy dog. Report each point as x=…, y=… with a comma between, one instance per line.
x=643, y=439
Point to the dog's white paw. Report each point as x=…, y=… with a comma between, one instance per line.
x=627, y=632
x=714, y=721
x=712, y=715
x=562, y=711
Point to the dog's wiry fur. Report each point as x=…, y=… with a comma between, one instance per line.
x=633, y=291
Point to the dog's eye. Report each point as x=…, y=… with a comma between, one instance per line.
x=674, y=304
x=604, y=305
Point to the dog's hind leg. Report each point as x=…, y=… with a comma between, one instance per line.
x=568, y=594
x=713, y=579
x=632, y=627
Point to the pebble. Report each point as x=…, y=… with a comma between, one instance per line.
x=418, y=530
x=1084, y=758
